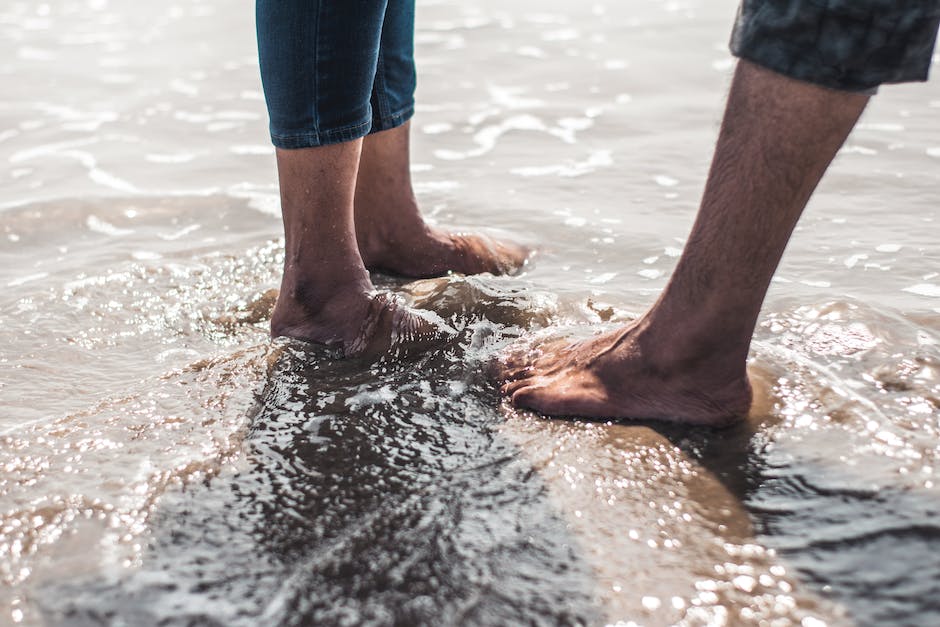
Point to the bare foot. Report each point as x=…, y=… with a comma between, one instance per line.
x=391, y=231
x=614, y=376
x=428, y=252
x=359, y=323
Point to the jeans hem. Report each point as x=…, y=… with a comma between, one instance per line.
x=313, y=139
x=388, y=122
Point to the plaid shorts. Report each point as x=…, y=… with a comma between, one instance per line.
x=852, y=45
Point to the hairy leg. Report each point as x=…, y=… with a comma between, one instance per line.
x=685, y=359
x=326, y=295
x=393, y=235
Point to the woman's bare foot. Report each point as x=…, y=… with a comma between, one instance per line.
x=359, y=323
x=392, y=233
x=616, y=375
x=423, y=252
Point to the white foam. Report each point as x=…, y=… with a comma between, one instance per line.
x=50, y=149
x=96, y=224
x=107, y=179
x=853, y=260
x=598, y=159
x=183, y=232
x=252, y=149
x=924, y=289
x=606, y=277
x=436, y=129
x=880, y=126
x=487, y=137
x=368, y=398
x=26, y=279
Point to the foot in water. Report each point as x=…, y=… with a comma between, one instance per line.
x=357, y=322
x=616, y=375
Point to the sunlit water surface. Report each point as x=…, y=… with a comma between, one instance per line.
x=163, y=463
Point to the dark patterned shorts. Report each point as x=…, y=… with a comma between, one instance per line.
x=852, y=45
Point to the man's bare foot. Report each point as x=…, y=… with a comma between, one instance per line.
x=615, y=375
x=425, y=252
x=358, y=322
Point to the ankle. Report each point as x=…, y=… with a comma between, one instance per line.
x=317, y=297
x=693, y=360
x=334, y=322
x=313, y=290
x=692, y=346
x=379, y=236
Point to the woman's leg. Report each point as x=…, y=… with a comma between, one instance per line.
x=325, y=289
x=391, y=231
x=318, y=60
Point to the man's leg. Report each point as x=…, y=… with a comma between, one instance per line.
x=392, y=233
x=685, y=359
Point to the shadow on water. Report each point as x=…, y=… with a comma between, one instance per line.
x=369, y=494
x=400, y=492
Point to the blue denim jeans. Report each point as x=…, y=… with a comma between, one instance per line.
x=851, y=45
x=335, y=70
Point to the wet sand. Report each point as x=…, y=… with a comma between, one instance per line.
x=164, y=463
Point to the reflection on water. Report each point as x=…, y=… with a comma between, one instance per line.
x=162, y=463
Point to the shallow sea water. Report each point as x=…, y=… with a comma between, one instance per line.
x=164, y=463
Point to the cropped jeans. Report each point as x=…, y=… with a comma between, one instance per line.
x=335, y=70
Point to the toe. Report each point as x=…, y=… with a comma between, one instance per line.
x=554, y=398
x=512, y=364
x=520, y=372
x=482, y=253
x=511, y=387
x=527, y=394
x=514, y=255
x=473, y=254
